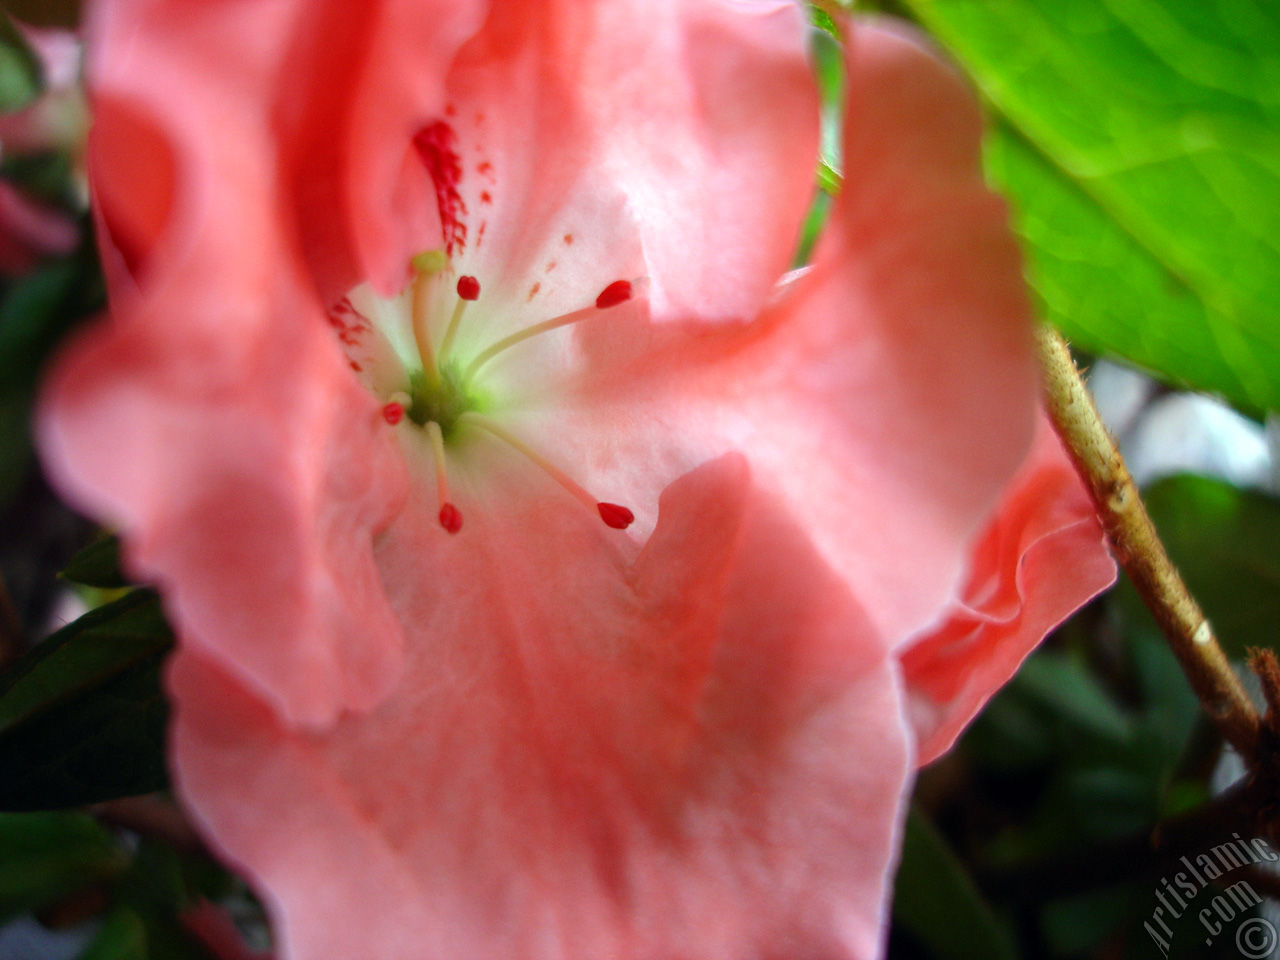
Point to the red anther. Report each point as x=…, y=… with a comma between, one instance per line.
x=393, y=413
x=615, y=516
x=469, y=288
x=615, y=293
x=451, y=518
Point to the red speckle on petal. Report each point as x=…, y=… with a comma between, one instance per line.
x=615, y=516
x=615, y=293
x=485, y=169
x=568, y=239
x=486, y=196
x=436, y=146
x=393, y=413
x=349, y=323
x=469, y=288
x=533, y=291
x=356, y=367
x=451, y=518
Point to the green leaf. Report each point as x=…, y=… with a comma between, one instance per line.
x=1072, y=694
x=38, y=311
x=1226, y=543
x=47, y=856
x=82, y=715
x=937, y=901
x=1142, y=152
x=123, y=936
x=20, y=74
x=98, y=565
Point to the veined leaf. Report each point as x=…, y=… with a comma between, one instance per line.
x=1142, y=153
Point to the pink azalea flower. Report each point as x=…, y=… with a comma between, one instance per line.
x=542, y=553
x=30, y=230
x=55, y=121
x=1040, y=557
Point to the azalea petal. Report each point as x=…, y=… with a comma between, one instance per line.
x=716, y=159
x=1041, y=558
x=696, y=753
x=590, y=142
x=30, y=230
x=360, y=80
x=887, y=396
x=213, y=418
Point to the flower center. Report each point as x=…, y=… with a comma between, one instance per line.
x=396, y=349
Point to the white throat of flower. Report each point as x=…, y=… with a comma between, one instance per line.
x=441, y=397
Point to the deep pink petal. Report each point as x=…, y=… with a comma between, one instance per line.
x=213, y=418
x=696, y=753
x=360, y=79
x=1041, y=558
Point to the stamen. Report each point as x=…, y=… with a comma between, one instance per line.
x=424, y=283
x=619, y=291
x=450, y=516
x=615, y=293
x=468, y=289
x=397, y=405
x=615, y=516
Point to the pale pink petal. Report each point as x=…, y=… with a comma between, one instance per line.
x=30, y=230
x=1042, y=557
x=56, y=119
x=589, y=142
x=886, y=397
x=698, y=753
x=59, y=52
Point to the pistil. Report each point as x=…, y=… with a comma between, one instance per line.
x=614, y=515
x=424, y=290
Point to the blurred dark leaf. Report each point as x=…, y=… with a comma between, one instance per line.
x=15, y=445
x=98, y=565
x=1226, y=542
x=123, y=936
x=46, y=13
x=82, y=715
x=1142, y=154
x=937, y=901
x=1077, y=925
x=159, y=887
x=20, y=72
x=45, y=176
x=41, y=308
x=1064, y=686
x=47, y=856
